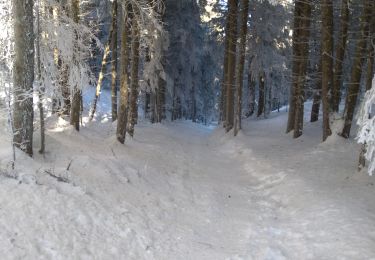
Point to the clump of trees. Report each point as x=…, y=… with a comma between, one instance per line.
x=197, y=60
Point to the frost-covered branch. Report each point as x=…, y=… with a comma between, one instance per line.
x=366, y=123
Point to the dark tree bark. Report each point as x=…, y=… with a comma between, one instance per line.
x=371, y=52
x=301, y=78
x=301, y=36
x=340, y=54
x=23, y=75
x=356, y=74
x=223, y=95
x=114, y=61
x=297, y=26
x=40, y=83
x=76, y=97
x=232, y=46
x=241, y=64
x=261, y=94
x=251, y=86
x=133, y=112
x=327, y=62
x=317, y=95
x=193, y=103
x=122, y=119
x=160, y=100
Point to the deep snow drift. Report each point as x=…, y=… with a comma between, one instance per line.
x=185, y=191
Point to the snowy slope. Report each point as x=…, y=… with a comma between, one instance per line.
x=185, y=191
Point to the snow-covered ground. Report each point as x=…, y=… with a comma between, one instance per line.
x=186, y=191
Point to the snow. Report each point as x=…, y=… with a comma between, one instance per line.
x=185, y=191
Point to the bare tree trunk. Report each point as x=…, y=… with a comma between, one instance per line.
x=241, y=64
x=297, y=27
x=315, y=110
x=193, y=104
x=301, y=78
x=230, y=86
x=76, y=97
x=268, y=101
x=40, y=83
x=173, y=115
x=327, y=62
x=160, y=100
x=317, y=95
x=133, y=116
x=23, y=75
x=251, y=86
x=356, y=74
x=261, y=94
x=340, y=54
x=371, y=52
x=223, y=96
x=114, y=61
x=104, y=66
x=122, y=119
x=153, y=107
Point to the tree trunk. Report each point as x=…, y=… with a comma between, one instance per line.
x=356, y=74
x=76, y=97
x=160, y=100
x=261, y=94
x=297, y=27
x=23, y=75
x=251, y=86
x=327, y=62
x=301, y=77
x=316, y=105
x=173, y=115
x=340, y=54
x=104, y=65
x=241, y=64
x=223, y=96
x=64, y=105
x=133, y=116
x=114, y=61
x=317, y=94
x=371, y=52
x=193, y=104
x=40, y=84
x=152, y=107
x=122, y=119
x=230, y=86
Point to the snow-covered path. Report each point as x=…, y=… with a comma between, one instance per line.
x=185, y=191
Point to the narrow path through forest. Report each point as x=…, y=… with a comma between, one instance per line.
x=185, y=191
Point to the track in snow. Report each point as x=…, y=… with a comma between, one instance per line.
x=183, y=191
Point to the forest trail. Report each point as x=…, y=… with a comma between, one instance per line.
x=185, y=191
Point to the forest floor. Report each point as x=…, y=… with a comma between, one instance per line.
x=185, y=191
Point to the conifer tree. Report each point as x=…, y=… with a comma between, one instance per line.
x=23, y=75
x=114, y=61
x=327, y=62
x=122, y=119
x=301, y=35
x=76, y=95
x=241, y=63
x=340, y=54
x=357, y=67
x=231, y=56
x=133, y=109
